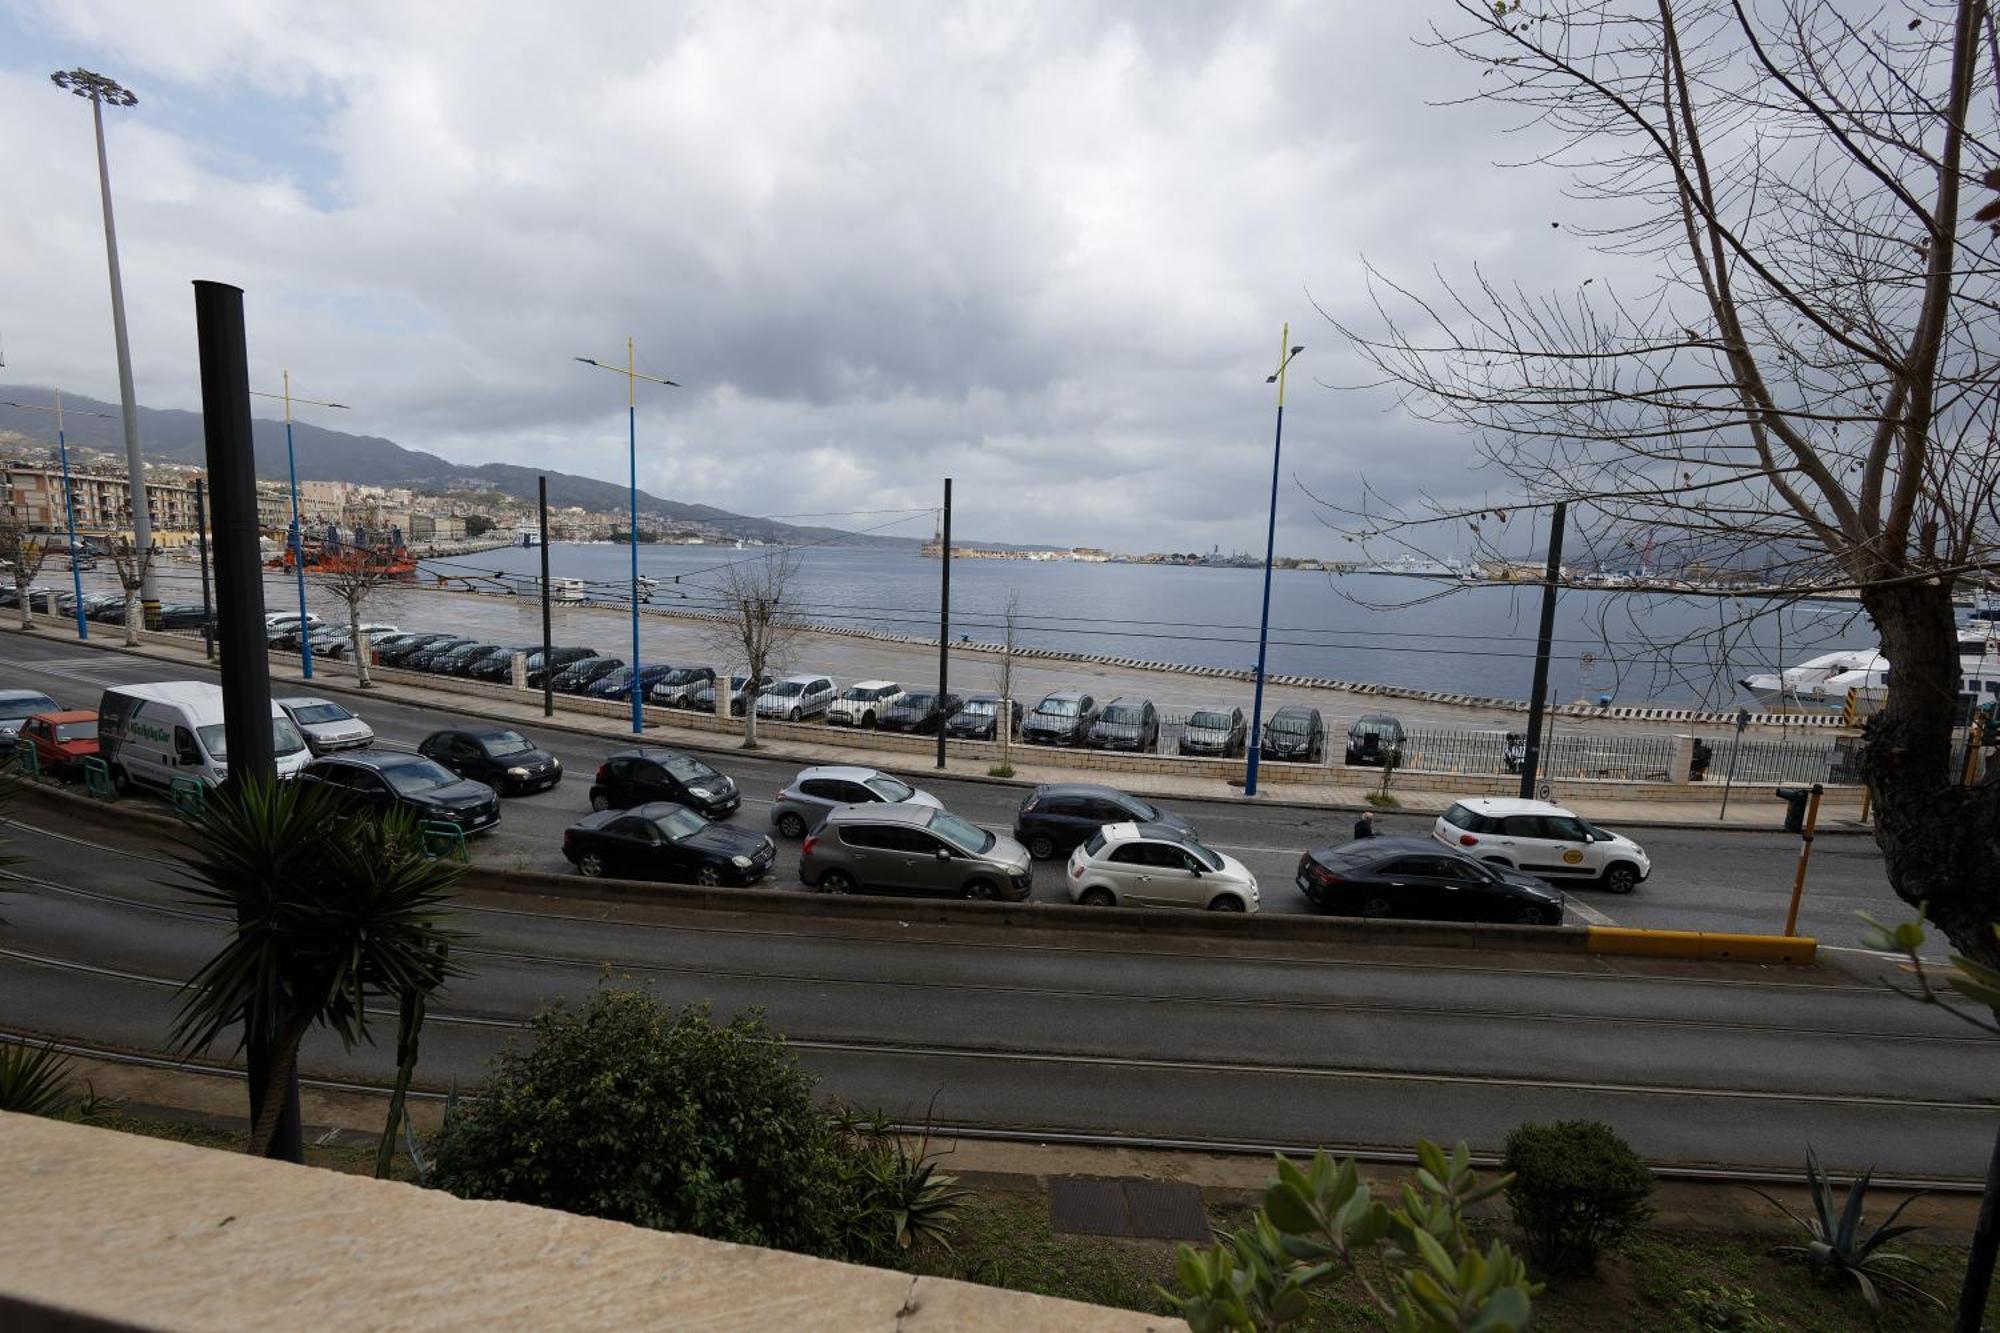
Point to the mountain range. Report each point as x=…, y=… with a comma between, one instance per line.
x=173, y=436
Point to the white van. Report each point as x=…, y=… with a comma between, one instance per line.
x=149, y=735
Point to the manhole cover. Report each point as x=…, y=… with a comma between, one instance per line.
x=1154, y=1209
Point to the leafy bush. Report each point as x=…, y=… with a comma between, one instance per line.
x=32, y=1080
x=1721, y=1309
x=622, y=1109
x=1578, y=1189
x=1838, y=1242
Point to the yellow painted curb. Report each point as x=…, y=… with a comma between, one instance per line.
x=1711, y=945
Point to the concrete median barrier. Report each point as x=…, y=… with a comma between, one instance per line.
x=1709, y=946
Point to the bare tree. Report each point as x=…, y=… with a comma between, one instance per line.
x=758, y=624
x=132, y=565
x=349, y=575
x=1010, y=617
x=24, y=552
x=1798, y=384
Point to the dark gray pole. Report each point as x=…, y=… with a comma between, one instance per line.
x=548, y=647
x=1532, y=756
x=1979, y=1259
x=239, y=591
x=201, y=549
x=944, y=613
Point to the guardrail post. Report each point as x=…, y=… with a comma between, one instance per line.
x=97, y=778
x=25, y=758
x=450, y=840
x=189, y=796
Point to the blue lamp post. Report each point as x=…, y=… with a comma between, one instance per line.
x=632, y=378
x=294, y=539
x=69, y=505
x=1285, y=354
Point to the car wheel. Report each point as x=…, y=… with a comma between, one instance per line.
x=599, y=801
x=708, y=877
x=868, y=722
x=121, y=784
x=981, y=891
x=1377, y=907
x=591, y=864
x=1097, y=898
x=1532, y=914
x=791, y=825
x=1225, y=902
x=795, y=715
x=836, y=881
x=1041, y=847
x=1620, y=877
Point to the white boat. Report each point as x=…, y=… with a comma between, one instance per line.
x=1825, y=681
x=1804, y=685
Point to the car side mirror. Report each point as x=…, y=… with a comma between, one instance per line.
x=943, y=855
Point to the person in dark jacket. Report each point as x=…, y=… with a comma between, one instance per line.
x=1364, y=827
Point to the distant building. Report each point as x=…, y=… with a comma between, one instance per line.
x=437, y=527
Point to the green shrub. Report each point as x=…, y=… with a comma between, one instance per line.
x=1577, y=1190
x=623, y=1110
x=1721, y=1309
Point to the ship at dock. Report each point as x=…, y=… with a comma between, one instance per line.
x=329, y=550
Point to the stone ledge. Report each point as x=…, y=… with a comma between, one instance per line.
x=109, y=1230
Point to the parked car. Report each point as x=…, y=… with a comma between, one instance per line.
x=796, y=697
x=280, y=621
x=663, y=841
x=326, y=725
x=1542, y=839
x=919, y=711
x=578, y=677
x=863, y=704
x=1062, y=718
x=1221, y=732
x=648, y=774
x=618, y=684
x=539, y=670
x=406, y=652
x=152, y=734
x=677, y=689
x=1058, y=816
x=805, y=800
x=978, y=719
x=183, y=615
x=500, y=757
x=61, y=740
x=1376, y=739
x=17, y=706
x=1414, y=877
x=1153, y=865
x=432, y=655
x=740, y=687
x=381, y=781
x=494, y=666
x=913, y=849
x=39, y=598
x=1295, y=732
x=1127, y=723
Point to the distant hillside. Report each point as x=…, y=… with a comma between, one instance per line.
x=332, y=455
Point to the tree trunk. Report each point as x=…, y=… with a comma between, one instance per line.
x=131, y=617
x=283, y=1069
x=750, y=712
x=27, y=608
x=1940, y=841
x=357, y=646
x=410, y=1022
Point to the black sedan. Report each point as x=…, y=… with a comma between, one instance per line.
x=379, y=780
x=405, y=653
x=647, y=774
x=979, y=719
x=1420, y=878
x=920, y=712
x=558, y=660
x=1215, y=731
x=578, y=677
x=1295, y=732
x=498, y=756
x=667, y=841
x=1059, y=815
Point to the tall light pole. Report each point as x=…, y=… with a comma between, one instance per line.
x=1285, y=354
x=98, y=90
x=69, y=505
x=632, y=378
x=296, y=542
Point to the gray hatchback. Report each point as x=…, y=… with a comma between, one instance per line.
x=807, y=797
x=913, y=849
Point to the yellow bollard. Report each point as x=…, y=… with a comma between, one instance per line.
x=1805, y=855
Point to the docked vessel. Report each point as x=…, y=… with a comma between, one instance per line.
x=1824, y=681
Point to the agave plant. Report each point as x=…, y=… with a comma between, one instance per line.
x=31, y=1080
x=1837, y=1244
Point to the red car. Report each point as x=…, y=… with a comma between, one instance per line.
x=62, y=741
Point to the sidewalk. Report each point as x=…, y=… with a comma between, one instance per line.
x=1750, y=807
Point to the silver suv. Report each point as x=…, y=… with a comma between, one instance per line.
x=913, y=849
x=807, y=797
x=796, y=697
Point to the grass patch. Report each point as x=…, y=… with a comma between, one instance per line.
x=1000, y=771
x=1383, y=800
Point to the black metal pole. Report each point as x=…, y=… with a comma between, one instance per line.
x=548, y=647
x=201, y=549
x=1979, y=1259
x=944, y=614
x=1531, y=756
x=239, y=591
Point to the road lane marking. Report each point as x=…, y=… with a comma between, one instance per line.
x=1587, y=912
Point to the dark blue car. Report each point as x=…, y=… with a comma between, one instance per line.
x=618, y=685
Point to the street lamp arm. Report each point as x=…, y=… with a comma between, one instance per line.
x=630, y=374
x=309, y=402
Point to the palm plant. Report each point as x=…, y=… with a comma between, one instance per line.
x=331, y=911
x=31, y=1080
x=1836, y=1244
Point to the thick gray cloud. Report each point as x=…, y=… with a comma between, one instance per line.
x=1044, y=249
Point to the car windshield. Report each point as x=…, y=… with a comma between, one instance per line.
x=1095, y=845
x=417, y=778
x=888, y=788
x=682, y=675
x=856, y=694
x=787, y=688
x=1291, y=724
x=622, y=676
x=311, y=715
x=981, y=707
x=27, y=707
x=962, y=833
x=1124, y=715
x=685, y=768
x=1058, y=707
x=918, y=702
x=1377, y=726
x=1209, y=722
x=679, y=824
x=1209, y=860
x=1141, y=811
x=77, y=731
x=500, y=744
x=285, y=739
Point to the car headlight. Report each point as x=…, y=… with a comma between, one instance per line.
x=701, y=793
x=555, y=763
x=740, y=862
x=517, y=772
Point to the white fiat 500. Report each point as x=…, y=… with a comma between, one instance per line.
x=1542, y=839
x=1154, y=865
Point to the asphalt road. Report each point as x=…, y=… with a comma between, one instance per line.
x=1702, y=880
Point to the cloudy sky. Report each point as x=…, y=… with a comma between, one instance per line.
x=1044, y=249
